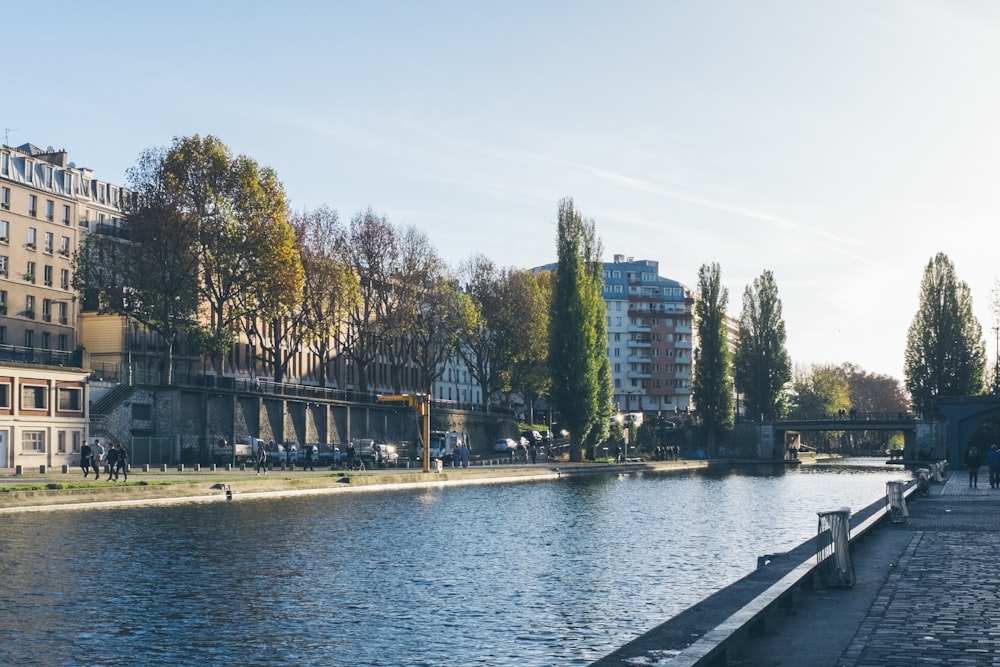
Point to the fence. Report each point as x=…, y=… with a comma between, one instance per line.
x=154, y=451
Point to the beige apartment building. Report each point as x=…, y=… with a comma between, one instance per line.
x=46, y=205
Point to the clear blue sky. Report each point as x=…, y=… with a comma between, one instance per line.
x=838, y=144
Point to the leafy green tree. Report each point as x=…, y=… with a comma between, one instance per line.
x=762, y=365
x=481, y=344
x=576, y=352
x=822, y=390
x=527, y=303
x=446, y=313
x=712, y=389
x=945, y=351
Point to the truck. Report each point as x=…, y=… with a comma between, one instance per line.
x=443, y=444
x=241, y=451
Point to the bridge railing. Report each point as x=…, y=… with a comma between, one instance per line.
x=849, y=416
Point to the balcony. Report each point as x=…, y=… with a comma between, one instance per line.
x=638, y=375
x=638, y=359
x=640, y=344
x=638, y=328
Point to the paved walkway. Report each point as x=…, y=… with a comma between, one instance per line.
x=928, y=593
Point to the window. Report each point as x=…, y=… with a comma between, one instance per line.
x=3, y=265
x=76, y=441
x=64, y=278
x=5, y=395
x=3, y=302
x=33, y=397
x=62, y=315
x=46, y=340
x=4, y=231
x=3, y=334
x=50, y=210
x=29, y=274
x=32, y=237
x=67, y=184
x=70, y=399
x=61, y=442
x=63, y=342
x=64, y=246
x=142, y=412
x=29, y=171
x=33, y=442
x=85, y=220
x=5, y=164
x=29, y=306
x=5, y=198
x=47, y=275
x=33, y=206
x=49, y=242
x=65, y=215
x=46, y=311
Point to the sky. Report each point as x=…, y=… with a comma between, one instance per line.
x=840, y=145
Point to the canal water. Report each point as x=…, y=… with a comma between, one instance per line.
x=540, y=573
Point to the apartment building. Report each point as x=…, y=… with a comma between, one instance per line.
x=650, y=337
x=46, y=205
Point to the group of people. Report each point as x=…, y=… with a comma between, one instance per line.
x=666, y=453
x=973, y=461
x=114, y=460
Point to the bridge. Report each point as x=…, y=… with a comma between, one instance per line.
x=923, y=439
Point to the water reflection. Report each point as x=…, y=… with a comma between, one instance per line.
x=515, y=574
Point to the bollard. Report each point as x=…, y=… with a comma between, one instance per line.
x=212, y=468
x=833, y=548
x=243, y=466
x=229, y=492
x=65, y=468
x=197, y=467
x=163, y=467
x=438, y=465
x=229, y=466
x=17, y=470
x=895, y=501
x=41, y=469
x=145, y=467
x=180, y=467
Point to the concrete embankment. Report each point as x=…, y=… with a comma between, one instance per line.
x=55, y=490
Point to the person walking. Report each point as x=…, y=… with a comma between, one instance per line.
x=973, y=459
x=307, y=464
x=112, y=460
x=86, y=453
x=351, y=453
x=121, y=462
x=261, y=458
x=993, y=462
x=97, y=458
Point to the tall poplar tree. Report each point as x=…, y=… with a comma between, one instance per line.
x=576, y=353
x=945, y=351
x=762, y=367
x=713, y=385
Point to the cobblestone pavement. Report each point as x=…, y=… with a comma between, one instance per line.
x=941, y=604
x=927, y=593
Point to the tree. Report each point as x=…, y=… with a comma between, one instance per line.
x=446, y=314
x=373, y=249
x=330, y=288
x=149, y=270
x=712, y=389
x=762, y=366
x=945, y=351
x=821, y=390
x=874, y=393
x=481, y=342
x=576, y=353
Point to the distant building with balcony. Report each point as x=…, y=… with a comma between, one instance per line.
x=650, y=337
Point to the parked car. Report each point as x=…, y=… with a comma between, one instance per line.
x=504, y=444
x=329, y=455
x=386, y=455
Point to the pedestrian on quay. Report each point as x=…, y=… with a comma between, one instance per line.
x=261, y=458
x=97, y=458
x=973, y=459
x=993, y=461
x=121, y=462
x=86, y=453
x=112, y=460
x=310, y=452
